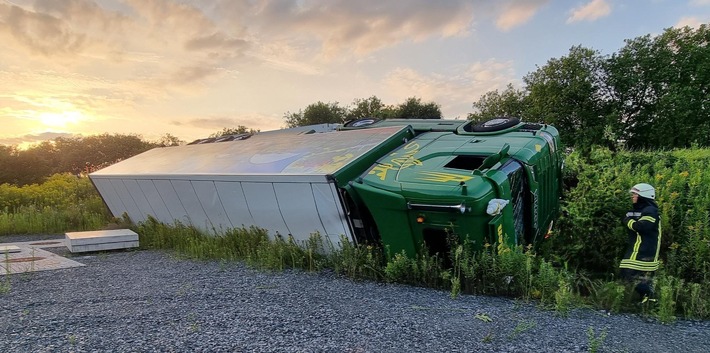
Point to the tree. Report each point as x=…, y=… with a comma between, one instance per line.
x=367, y=108
x=240, y=129
x=168, y=140
x=493, y=104
x=317, y=113
x=413, y=108
x=36, y=163
x=660, y=87
x=8, y=164
x=570, y=93
x=82, y=154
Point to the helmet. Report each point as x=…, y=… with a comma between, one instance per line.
x=644, y=190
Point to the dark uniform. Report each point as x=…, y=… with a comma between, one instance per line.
x=644, y=242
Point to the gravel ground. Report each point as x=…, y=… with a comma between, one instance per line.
x=152, y=301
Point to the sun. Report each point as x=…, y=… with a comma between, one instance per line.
x=60, y=119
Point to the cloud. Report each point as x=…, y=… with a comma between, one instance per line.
x=517, y=13
x=33, y=138
x=40, y=33
x=193, y=73
x=250, y=120
x=700, y=2
x=692, y=22
x=590, y=12
x=216, y=41
x=359, y=27
x=455, y=92
x=60, y=28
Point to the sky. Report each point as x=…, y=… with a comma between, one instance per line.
x=190, y=68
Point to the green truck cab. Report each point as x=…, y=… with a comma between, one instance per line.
x=488, y=183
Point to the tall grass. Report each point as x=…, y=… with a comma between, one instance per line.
x=500, y=271
x=63, y=203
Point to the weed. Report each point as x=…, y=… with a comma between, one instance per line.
x=194, y=324
x=696, y=306
x=483, y=317
x=595, y=342
x=184, y=289
x=608, y=295
x=563, y=297
x=5, y=286
x=523, y=326
x=669, y=289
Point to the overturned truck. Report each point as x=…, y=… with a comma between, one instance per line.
x=405, y=184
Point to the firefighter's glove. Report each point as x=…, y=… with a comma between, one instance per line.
x=626, y=220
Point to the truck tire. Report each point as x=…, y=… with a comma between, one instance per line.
x=495, y=124
x=361, y=122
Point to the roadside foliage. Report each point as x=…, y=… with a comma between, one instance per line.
x=576, y=265
x=64, y=202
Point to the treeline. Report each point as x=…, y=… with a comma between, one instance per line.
x=654, y=93
x=75, y=155
x=373, y=107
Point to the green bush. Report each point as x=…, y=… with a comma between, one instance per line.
x=590, y=235
x=64, y=202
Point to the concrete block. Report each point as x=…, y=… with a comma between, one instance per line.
x=9, y=249
x=101, y=240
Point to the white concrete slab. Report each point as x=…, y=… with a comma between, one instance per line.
x=104, y=246
x=100, y=240
x=9, y=249
x=31, y=259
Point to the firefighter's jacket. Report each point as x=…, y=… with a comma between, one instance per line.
x=644, y=228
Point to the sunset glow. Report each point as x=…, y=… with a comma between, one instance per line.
x=60, y=120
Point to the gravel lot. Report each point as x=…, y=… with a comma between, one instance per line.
x=152, y=301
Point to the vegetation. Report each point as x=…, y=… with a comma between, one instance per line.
x=64, y=202
x=240, y=129
x=575, y=267
x=635, y=97
x=320, y=113
x=75, y=155
x=517, y=273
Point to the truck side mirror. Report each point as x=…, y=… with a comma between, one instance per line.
x=490, y=161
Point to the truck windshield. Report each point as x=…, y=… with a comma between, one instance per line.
x=518, y=187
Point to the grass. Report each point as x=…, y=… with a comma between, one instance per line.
x=64, y=202
x=595, y=342
x=522, y=326
x=516, y=273
x=6, y=285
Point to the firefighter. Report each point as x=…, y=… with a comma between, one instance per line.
x=644, y=228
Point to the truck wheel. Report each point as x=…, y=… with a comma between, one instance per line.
x=495, y=124
x=361, y=122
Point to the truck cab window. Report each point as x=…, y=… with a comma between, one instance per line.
x=518, y=193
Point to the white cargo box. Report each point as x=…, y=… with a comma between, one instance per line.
x=101, y=240
x=282, y=182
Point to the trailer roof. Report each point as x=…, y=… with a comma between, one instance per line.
x=314, y=154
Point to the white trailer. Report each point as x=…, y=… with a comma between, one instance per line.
x=286, y=183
